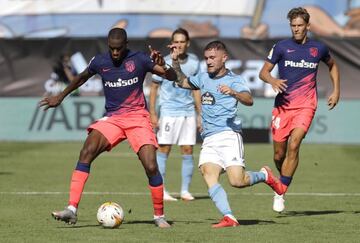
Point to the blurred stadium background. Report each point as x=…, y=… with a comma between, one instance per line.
x=36, y=34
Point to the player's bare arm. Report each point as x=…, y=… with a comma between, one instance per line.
x=54, y=101
x=161, y=68
x=244, y=98
x=335, y=78
x=278, y=85
x=152, y=104
x=181, y=78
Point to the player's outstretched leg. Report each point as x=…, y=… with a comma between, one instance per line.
x=273, y=181
x=66, y=215
x=219, y=197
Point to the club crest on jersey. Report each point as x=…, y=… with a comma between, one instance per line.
x=314, y=51
x=207, y=99
x=130, y=66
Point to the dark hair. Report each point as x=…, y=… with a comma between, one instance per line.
x=117, y=33
x=218, y=45
x=298, y=12
x=181, y=31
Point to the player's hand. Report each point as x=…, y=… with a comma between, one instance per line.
x=49, y=102
x=279, y=85
x=333, y=100
x=156, y=56
x=224, y=89
x=174, y=52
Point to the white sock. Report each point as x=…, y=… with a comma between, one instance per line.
x=157, y=217
x=72, y=209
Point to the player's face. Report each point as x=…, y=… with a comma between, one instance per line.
x=117, y=48
x=215, y=61
x=181, y=43
x=299, y=29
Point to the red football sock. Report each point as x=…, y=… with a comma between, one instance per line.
x=78, y=181
x=283, y=187
x=157, y=195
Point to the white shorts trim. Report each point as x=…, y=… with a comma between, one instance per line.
x=177, y=130
x=224, y=149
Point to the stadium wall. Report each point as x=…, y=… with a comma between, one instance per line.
x=22, y=120
x=27, y=65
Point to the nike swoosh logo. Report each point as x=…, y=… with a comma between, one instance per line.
x=106, y=69
x=290, y=50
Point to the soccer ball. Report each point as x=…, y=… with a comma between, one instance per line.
x=110, y=215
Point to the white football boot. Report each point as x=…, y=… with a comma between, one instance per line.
x=186, y=196
x=278, y=203
x=168, y=197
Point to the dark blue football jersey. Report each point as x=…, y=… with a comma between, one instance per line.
x=123, y=84
x=298, y=64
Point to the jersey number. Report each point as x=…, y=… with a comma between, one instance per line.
x=276, y=122
x=167, y=127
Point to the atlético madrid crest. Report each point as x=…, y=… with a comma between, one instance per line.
x=314, y=51
x=130, y=66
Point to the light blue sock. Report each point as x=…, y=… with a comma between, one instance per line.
x=219, y=197
x=186, y=172
x=161, y=161
x=256, y=177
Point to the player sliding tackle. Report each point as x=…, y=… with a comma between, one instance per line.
x=222, y=148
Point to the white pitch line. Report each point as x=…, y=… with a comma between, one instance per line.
x=316, y=194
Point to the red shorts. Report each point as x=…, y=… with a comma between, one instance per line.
x=133, y=126
x=284, y=121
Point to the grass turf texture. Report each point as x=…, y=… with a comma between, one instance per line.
x=35, y=177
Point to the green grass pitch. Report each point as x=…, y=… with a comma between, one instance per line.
x=322, y=204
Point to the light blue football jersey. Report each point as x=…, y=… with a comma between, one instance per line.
x=219, y=110
x=173, y=100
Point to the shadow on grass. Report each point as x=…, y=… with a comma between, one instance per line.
x=188, y=201
x=99, y=226
x=246, y=221
x=145, y=222
x=255, y=221
x=6, y=173
x=201, y=197
x=66, y=226
x=242, y=222
x=307, y=213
